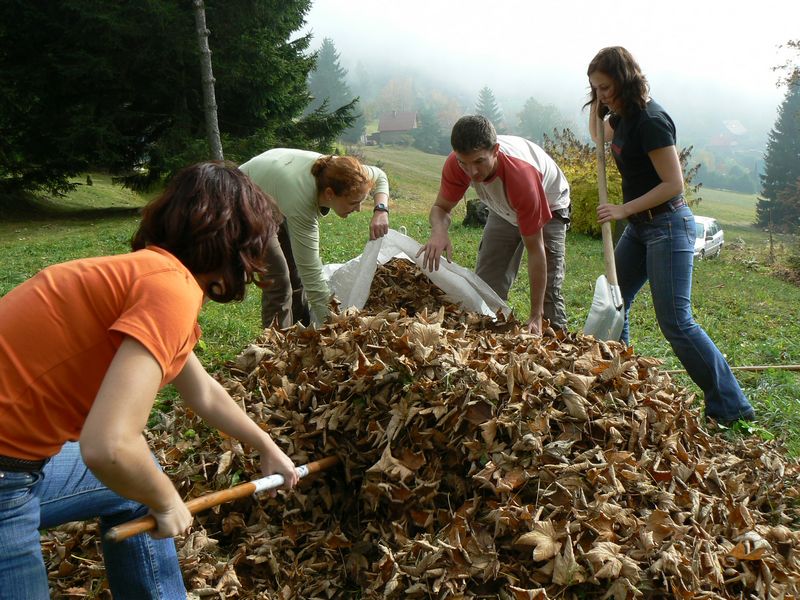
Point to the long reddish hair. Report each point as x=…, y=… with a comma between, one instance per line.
x=345, y=175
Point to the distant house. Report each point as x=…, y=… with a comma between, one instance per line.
x=396, y=126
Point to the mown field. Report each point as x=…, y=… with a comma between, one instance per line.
x=751, y=314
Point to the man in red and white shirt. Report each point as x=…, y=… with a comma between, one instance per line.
x=528, y=200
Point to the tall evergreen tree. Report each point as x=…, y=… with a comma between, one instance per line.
x=327, y=84
x=114, y=85
x=487, y=106
x=328, y=79
x=429, y=136
x=782, y=166
x=262, y=78
x=84, y=85
x=537, y=120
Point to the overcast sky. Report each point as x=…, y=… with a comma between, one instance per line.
x=700, y=52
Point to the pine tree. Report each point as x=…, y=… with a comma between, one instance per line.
x=327, y=83
x=429, y=136
x=327, y=80
x=537, y=120
x=487, y=107
x=782, y=166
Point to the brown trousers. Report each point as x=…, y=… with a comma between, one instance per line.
x=282, y=296
x=500, y=254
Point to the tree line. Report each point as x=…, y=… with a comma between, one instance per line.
x=779, y=204
x=117, y=87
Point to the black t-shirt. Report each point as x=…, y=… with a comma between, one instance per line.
x=635, y=136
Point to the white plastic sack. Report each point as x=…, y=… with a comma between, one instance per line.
x=350, y=282
x=606, y=316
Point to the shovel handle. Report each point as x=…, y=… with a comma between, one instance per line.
x=602, y=188
x=201, y=503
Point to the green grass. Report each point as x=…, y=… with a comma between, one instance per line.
x=751, y=315
x=39, y=231
x=413, y=176
x=730, y=208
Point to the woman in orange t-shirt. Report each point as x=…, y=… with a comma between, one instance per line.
x=119, y=328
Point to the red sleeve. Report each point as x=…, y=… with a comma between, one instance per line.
x=525, y=192
x=454, y=181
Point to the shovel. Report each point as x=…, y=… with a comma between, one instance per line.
x=195, y=505
x=607, y=314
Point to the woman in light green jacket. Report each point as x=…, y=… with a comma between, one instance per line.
x=306, y=186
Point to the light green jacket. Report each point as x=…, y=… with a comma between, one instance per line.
x=285, y=174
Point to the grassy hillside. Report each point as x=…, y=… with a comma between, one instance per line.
x=413, y=176
x=37, y=231
x=102, y=197
x=731, y=208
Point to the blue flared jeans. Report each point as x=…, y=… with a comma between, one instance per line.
x=662, y=251
x=65, y=490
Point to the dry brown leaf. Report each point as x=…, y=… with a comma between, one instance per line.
x=542, y=538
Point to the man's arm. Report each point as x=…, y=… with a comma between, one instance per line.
x=537, y=275
x=439, y=242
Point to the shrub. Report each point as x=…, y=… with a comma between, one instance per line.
x=578, y=161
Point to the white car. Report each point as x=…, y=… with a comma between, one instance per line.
x=710, y=237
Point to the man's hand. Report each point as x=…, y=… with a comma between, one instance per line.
x=439, y=242
x=433, y=250
x=534, y=326
x=379, y=226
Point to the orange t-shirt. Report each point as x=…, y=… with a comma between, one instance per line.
x=60, y=330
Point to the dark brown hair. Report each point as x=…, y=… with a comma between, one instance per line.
x=345, y=175
x=214, y=219
x=471, y=133
x=630, y=85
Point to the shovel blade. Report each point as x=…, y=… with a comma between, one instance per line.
x=607, y=315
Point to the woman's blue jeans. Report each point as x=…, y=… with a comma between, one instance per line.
x=65, y=490
x=662, y=251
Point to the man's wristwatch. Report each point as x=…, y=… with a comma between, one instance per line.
x=381, y=208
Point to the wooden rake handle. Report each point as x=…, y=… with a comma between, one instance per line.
x=602, y=188
x=206, y=501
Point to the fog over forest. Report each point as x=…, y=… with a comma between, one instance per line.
x=709, y=63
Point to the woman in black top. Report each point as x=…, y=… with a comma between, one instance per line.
x=658, y=243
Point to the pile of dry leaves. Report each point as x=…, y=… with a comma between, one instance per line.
x=477, y=461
